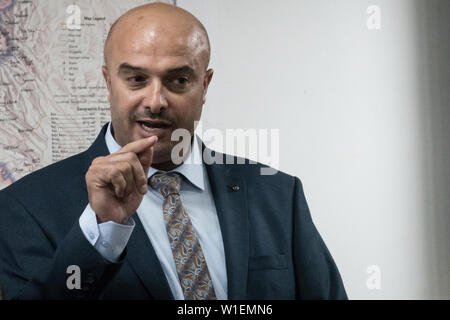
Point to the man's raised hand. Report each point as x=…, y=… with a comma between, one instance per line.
x=117, y=183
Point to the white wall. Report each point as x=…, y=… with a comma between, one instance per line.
x=363, y=118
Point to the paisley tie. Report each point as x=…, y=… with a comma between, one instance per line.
x=190, y=262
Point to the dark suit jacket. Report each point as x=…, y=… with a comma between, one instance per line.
x=273, y=250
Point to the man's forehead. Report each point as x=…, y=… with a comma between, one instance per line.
x=156, y=41
x=158, y=29
x=156, y=57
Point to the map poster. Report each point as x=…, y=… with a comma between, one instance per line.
x=53, y=99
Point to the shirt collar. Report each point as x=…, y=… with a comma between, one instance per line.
x=192, y=169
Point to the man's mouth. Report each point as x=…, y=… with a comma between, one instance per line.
x=149, y=124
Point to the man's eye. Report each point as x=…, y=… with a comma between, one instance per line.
x=136, y=80
x=181, y=81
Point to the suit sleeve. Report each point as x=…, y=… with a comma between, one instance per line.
x=316, y=274
x=33, y=266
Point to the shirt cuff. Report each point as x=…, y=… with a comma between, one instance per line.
x=109, y=238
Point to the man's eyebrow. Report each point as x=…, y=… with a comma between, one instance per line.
x=124, y=67
x=184, y=69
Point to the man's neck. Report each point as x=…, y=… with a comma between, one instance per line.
x=165, y=166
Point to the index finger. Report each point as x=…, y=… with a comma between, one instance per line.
x=139, y=145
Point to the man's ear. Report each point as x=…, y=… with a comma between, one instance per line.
x=206, y=82
x=107, y=78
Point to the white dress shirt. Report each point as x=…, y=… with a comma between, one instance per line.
x=110, y=238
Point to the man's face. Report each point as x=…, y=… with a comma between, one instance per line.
x=157, y=82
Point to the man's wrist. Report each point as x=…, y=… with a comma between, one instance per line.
x=109, y=238
x=125, y=221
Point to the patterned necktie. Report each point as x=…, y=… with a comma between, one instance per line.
x=190, y=262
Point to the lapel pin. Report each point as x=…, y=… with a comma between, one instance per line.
x=235, y=188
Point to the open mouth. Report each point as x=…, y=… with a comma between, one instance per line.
x=149, y=125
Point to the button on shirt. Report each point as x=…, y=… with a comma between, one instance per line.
x=110, y=238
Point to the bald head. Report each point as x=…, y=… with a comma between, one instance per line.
x=154, y=22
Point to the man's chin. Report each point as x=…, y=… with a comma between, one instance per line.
x=161, y=153
x=162, y=157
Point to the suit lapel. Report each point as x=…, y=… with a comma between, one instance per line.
x=231, y=206
x=142, y=258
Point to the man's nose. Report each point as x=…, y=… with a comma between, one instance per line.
x=154, y=97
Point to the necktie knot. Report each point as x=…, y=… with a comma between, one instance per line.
x=167, y=183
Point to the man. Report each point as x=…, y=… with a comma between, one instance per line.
x=135, y=225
